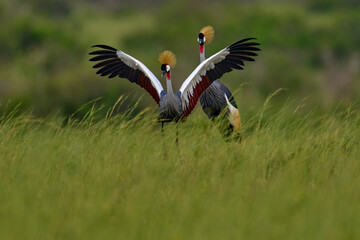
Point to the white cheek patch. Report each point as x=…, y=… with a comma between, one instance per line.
x=167, y=68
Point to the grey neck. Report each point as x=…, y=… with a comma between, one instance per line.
x=202, y=55
x=169, y=89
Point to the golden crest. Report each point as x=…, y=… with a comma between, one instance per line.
x=167, y=57
x=209, y=33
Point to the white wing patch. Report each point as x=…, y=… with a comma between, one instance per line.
x=127, y=59
x=137, y=65
x=187, y=88
x=233, y=115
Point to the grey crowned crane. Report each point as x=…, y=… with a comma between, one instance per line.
x=217, y=96
x=172, y=106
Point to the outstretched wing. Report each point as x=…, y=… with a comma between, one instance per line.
x=213, y=68
x=114, y=63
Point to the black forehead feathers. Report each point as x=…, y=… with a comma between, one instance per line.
x=201, y=36
x=163, y=67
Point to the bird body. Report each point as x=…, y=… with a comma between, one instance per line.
x=172, y=106
x=213, y=101
x=217, y=96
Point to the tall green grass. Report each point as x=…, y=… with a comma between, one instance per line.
x=294, y=176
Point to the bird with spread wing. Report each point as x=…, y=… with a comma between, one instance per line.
x=172, y=106
x=217, y=96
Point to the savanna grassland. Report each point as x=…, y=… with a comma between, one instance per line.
x=294, y=176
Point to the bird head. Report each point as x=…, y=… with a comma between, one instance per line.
x=206, y=35
x=165, y=68
x=167, y=60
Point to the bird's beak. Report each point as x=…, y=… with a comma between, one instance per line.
x=201, y=41
x=163, y=73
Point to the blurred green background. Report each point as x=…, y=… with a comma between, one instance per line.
x=309, y=47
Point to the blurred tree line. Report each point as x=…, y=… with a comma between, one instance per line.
x=309, y=47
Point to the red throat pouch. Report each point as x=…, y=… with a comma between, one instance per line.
x=168, y=75
x=201, y=48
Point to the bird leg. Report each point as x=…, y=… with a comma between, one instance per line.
x=164, y=140
x=177, y=139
